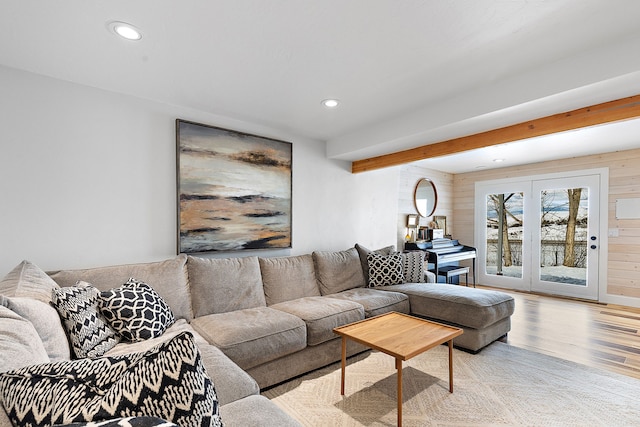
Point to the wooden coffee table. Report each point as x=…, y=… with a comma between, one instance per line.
x=401, y=336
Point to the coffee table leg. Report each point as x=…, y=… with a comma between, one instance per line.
x=344, y=363
x=399, y=368
x=450, y=366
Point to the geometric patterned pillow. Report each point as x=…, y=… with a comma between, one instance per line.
x=90, y=336
x=169, y=381
x=135, y=311
x=385, y=270
x=414, y=267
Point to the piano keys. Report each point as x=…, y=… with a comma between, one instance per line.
x=444, y=251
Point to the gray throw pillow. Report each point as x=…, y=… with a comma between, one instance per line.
x=28, y=280
x=20, y=344
x=46, y=321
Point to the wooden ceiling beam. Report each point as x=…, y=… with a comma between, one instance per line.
x=607, y=112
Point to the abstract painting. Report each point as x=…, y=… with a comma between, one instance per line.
x=234, y=190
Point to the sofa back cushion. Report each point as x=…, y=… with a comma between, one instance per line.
x=168, y=278
x=288, y=278
x=221, y=285
x=338, y=271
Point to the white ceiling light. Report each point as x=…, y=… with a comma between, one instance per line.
x=330, y=103
x=125, y=30
x=498, y=160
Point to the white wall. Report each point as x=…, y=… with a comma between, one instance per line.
x=88, y=178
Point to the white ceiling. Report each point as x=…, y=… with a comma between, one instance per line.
x=407, y=72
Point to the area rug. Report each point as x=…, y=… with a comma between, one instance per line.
x=500, y=386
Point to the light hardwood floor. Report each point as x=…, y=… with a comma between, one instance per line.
x=599, y=335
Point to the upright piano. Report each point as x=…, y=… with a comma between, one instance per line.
x=444, y=251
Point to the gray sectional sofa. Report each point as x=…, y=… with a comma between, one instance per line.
x=256, y=321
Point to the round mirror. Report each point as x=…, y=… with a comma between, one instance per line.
x=425, y=197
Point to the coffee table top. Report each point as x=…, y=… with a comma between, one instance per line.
x=398, y=335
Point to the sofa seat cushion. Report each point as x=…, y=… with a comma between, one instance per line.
x=253, y=336
x=232, y=383
x=168, y=278
x=322, y=314
x=256, y=411
x=470, y=307
x=376, y=301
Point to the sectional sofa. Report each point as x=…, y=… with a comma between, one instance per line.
x=255, y=321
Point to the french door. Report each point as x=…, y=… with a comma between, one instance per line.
x=540, y=234
x=566, y=237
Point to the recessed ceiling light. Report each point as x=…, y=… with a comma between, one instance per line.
x=330, y=103
x=125, y=30
x=498, y=160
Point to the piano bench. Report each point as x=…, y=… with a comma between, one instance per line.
x=450, y=271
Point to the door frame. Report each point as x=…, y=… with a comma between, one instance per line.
x=603, y=212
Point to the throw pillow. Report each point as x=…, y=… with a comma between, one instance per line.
x=414, y=267
x=28, y=280
x=385, y=270
x=90, y=336
x=127, y=422
x=135, y=311
x=168, y=382
x=46, y=321
x=363, y=252
x=20, y=344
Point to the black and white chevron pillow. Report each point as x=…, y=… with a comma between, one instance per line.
x=77, y=305
x=167, y=382
x=385, y=270
x=414, y=267
x=135, y=311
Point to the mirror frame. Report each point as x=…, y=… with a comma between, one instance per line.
x=415, y=198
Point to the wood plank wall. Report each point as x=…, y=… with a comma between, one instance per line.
x=408, y=178
x=623, y=275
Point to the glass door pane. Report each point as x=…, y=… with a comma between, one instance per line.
x=504, y=234
x=564, y=215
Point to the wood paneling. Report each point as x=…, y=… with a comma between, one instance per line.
x=624, y=182
x=621, y=109
x=408, y=178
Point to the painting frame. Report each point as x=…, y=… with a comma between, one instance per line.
x=234, y=190
x=441, y=222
